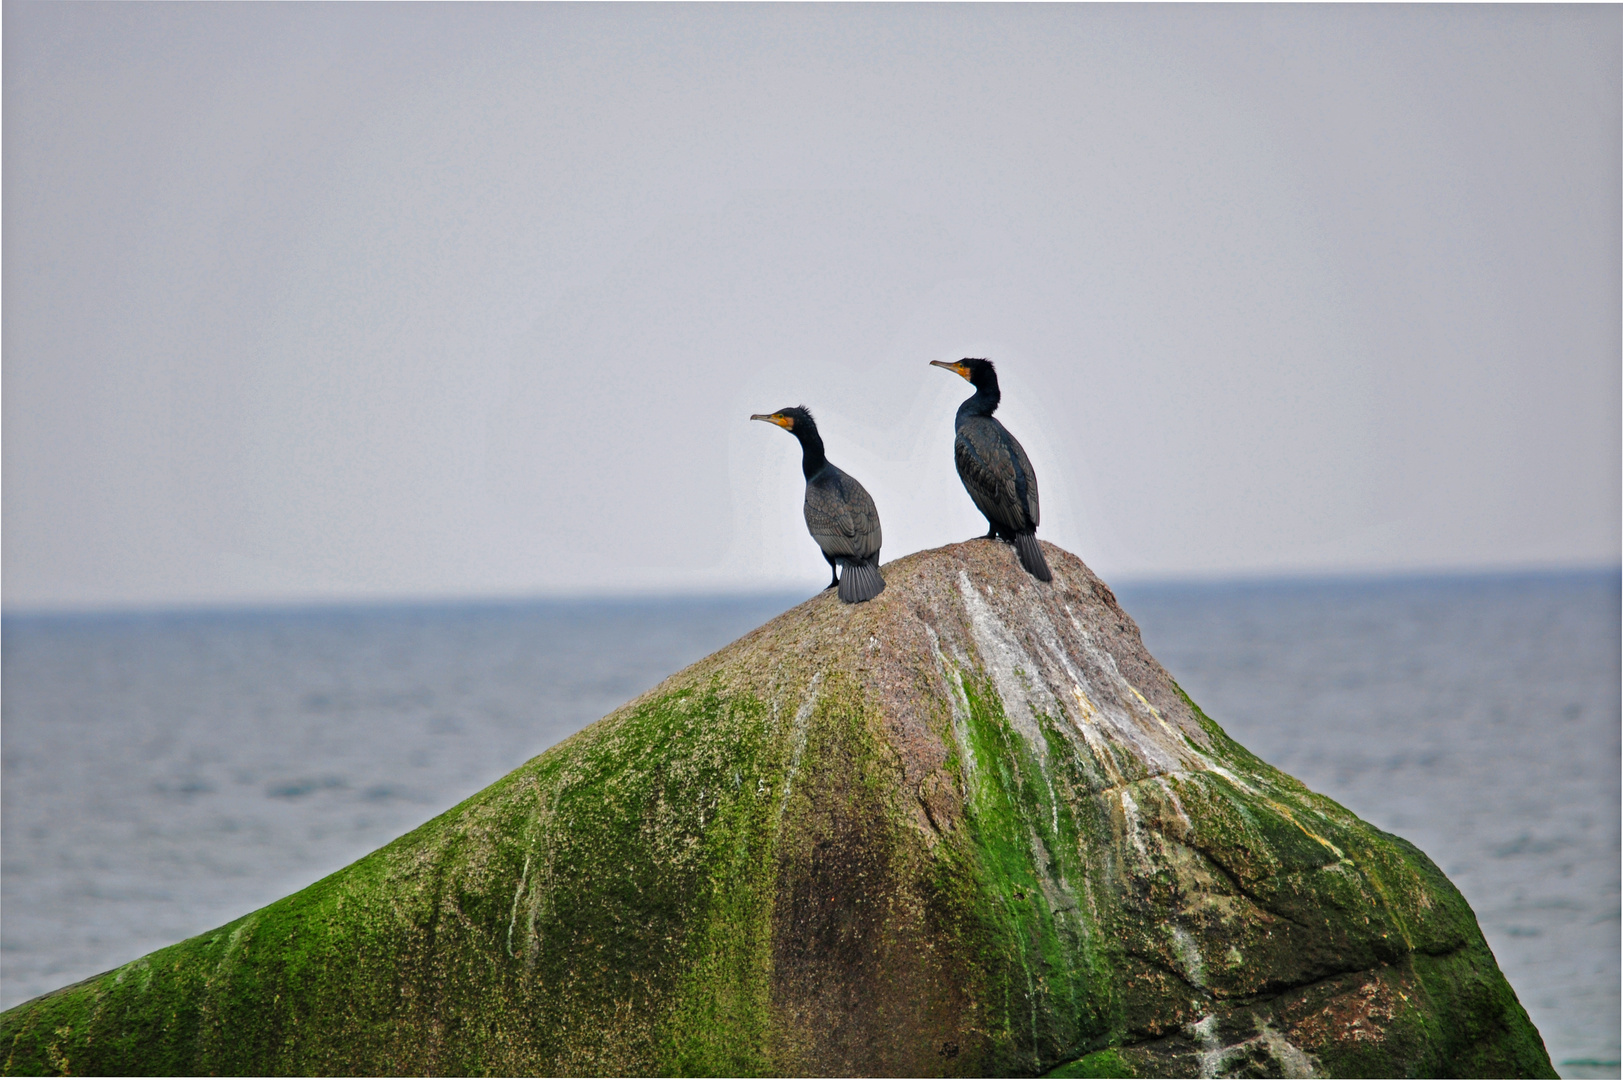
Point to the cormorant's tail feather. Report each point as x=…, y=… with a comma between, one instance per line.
x=1031, y=557
x=860, y=581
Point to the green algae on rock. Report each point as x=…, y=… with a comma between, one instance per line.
x=969, y=827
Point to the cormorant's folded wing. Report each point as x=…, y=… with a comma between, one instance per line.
x=842, y=517
x=997, y=474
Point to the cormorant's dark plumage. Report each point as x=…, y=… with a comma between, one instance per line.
x=840, y=513
x=994, y=467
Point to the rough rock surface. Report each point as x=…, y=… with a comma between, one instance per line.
x=971, y=827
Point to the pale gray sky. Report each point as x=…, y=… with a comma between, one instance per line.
x=338, y=301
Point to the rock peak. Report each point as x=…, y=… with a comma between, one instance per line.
x=1063, y=648
x=968, y=827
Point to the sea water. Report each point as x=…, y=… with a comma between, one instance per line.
x=166, y=773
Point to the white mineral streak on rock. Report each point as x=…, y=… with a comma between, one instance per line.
x=1211, y=1051
x=1278, y=807
x=1085, y=720
x=1194, y=965
x=960, y=705
x=1144, y=703
x=1129, y=813
x=1088, y=713
x=1201, y=762
x=802, y=717
x=1102, y=755
x=1085, y=709
x=512, y=921
x=1018, y=680
x=228, y=955
x=1134, y=724
x=1005, y=659
x=1172, y=795
x=1294, y=1062
x=540, y=891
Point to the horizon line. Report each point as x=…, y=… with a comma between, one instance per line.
x=266, y=605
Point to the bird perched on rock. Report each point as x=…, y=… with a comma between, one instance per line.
x=994, y=467
x=840, y=513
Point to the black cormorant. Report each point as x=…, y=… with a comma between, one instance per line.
x=839, y=511
x=994, y=467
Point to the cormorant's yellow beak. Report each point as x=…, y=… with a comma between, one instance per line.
x=959, y=368
x=787, y=423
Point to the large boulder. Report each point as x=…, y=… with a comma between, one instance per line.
x=971, y=827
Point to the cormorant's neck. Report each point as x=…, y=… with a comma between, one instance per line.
x=984, y=403
x=811, y=450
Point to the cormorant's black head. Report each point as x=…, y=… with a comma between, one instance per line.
x=796, y=419
x=977, y=370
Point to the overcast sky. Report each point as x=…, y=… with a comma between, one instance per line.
x=344, y=301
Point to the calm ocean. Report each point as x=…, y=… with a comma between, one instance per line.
x=166, y=773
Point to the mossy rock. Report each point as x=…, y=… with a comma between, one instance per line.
x=971, y=827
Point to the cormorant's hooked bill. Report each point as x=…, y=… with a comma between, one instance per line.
x=960, y=367
x=994, y=467
x=840, y=514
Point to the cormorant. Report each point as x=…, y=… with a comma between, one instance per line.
x=840, y=513
x=994, y=467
